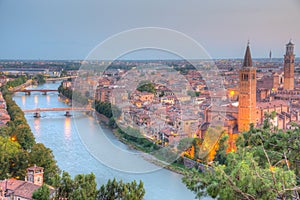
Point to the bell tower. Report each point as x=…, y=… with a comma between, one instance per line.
x=35, y=175
x=289, y=67
x=247, y=96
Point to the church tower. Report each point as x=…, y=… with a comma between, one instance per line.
x=247, y=96
x=35, y=175
x=289, y=66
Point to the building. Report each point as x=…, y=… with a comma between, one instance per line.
x=289, y=67
x=4, y=116
x=103, y=93
x=247, y=93
x=67, y=84
x=12, y=189
x=35, y=175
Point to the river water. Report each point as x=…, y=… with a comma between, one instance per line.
x=60, y=133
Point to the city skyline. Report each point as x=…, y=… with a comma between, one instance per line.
x=70, y=30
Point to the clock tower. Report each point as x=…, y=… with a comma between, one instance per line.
x=289, y=66
x=247, y=96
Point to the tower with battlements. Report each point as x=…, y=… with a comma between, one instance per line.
x=289, y=67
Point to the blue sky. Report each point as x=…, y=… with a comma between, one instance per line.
x=70, y=29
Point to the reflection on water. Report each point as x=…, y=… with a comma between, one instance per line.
x=67, y=128
x=48, y=99
x=37, y=126
x=23, y=100
x=36, y=100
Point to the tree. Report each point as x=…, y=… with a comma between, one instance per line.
x=9, y=151
x=85, y=187
x=24, y=136
x=119, y=190
x=146, y=86
x=43, y=157
x=112, y=123
x=265, y=166
x=184, y=144
x=242, y=178
x=81, y=187
x=40, y=79
x=220, y=156
x=16, y=82
x=193, y=93
x=41, y=193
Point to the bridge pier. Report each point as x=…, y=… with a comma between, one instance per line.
x=37, y=115
x=89, y=112
x=27, y=93
x=68, y=114
x=44, y=93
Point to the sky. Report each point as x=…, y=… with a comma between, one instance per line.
x=70, y=29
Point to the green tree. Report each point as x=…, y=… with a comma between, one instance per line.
x=85, y=187
x=24, y=136
x=146, y=86
x=41, y=193
x=16, y=82
x=119, y=190
x=184, y=144
x=43, y=157
x=265, y=166
x=40, y=79
x=193, y=93
x=9, y=151
x=81, y=187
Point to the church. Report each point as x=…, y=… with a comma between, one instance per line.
x=278, y=97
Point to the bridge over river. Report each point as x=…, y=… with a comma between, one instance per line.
x=29, y=91
x=37, y=111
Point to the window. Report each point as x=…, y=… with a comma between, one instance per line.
x=245, y=77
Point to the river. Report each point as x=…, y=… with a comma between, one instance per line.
x=60, y=134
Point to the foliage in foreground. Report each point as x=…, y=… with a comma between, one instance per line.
x=265, y=166
x=85, y=187
x=119, y=190
x=42, y=193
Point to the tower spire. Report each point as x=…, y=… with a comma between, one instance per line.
x=247, y=58
x=247, y=93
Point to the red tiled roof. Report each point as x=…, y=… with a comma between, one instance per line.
x=20, y=188
x=26, y=190
x=10, y=184
x=271, y=104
